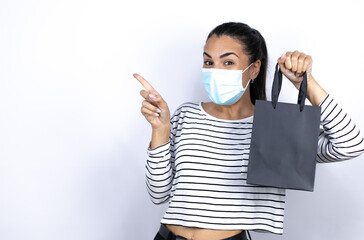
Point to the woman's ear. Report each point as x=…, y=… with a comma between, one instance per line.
x=254, y=69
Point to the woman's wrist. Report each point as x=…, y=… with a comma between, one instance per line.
x=315, y=93
x=160, y=136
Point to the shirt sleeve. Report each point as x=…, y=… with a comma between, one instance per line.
x=160, y=168
x=159, y=173
x=339, y=137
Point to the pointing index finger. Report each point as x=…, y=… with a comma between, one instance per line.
x=144, y=82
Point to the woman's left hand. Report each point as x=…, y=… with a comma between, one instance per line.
x=294, y=64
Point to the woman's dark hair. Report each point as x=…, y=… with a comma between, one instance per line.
x=254, y=46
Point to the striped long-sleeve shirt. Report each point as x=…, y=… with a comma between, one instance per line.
x=202, y=170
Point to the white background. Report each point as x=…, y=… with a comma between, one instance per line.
x=72, y=139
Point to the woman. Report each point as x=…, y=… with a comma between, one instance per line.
x=198, y=159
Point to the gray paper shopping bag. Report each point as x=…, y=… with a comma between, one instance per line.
x=284, y=141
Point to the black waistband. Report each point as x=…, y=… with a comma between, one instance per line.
x=168, y=235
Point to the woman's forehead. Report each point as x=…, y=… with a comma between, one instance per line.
x=219, y=45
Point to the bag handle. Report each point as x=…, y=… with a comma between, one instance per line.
x=277, y=84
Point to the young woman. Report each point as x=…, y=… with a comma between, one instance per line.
x=198, y=159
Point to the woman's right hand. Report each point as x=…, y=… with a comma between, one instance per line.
x=156, y=111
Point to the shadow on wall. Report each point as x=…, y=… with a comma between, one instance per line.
x=140, y=217
x=327, y=212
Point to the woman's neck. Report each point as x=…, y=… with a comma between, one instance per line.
x=243, y=108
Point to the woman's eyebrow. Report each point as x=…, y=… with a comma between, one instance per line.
x=208, y=55
x=223, y=55
x=229, y=53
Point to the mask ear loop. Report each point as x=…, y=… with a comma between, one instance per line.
x=247, y=67
x=250, y=80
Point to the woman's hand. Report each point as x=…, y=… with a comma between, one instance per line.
x=294, y=64
x=156, y=111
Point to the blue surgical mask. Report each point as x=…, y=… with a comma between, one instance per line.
x=224, y=87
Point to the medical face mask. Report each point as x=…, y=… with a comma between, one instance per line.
x=224, y=87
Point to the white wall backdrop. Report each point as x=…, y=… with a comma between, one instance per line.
x=72, y=139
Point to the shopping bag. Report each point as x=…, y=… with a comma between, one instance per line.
x=284, y=141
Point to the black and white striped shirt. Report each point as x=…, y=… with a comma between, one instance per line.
x=202, y=170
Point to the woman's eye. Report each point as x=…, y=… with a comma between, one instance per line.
x=208, y=63
x=229, y=63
